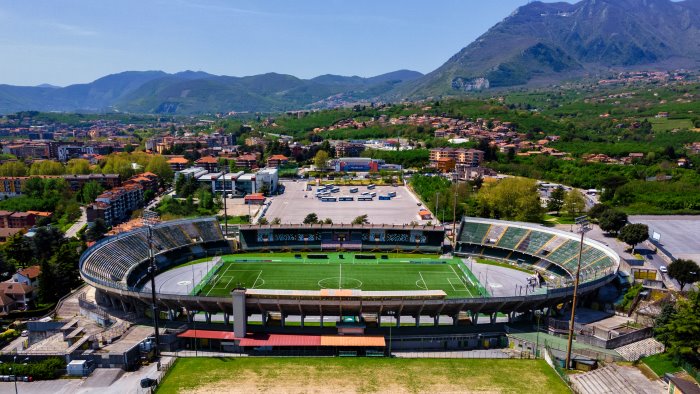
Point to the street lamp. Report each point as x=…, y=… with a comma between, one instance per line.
x=582, y=223
x=14, y=377
x=538, y=315
x=390, y=313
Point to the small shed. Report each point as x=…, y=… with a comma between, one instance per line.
x=80, y=368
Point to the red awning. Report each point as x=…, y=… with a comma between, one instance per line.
x=285, y=340
x=280, y=340
x=206, y=334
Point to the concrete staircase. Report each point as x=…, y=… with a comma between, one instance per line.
x=635, y=351
x=615, y=379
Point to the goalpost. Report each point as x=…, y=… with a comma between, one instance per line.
x=218, y=262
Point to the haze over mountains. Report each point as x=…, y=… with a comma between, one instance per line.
x=539, y=43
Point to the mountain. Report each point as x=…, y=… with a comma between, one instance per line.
x=197, y=92
x=549, y=42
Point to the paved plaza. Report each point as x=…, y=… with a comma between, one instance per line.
x=296, y=202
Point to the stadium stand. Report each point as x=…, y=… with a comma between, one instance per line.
x=113, y=260
x=342, y=237
x=542, y=248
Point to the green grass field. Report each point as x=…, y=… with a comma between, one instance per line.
x=298, y=271
x=360, y=375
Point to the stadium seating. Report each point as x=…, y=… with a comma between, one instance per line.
x=111, y=260
x=551, y=250
x=534, y=241
x=511, y=238
x=474, y=232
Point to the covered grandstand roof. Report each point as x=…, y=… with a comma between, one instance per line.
x=330, y=293
x=285, y=340
x=343, y=226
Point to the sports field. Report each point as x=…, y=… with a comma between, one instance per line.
x=360, y=375
x=363, y=271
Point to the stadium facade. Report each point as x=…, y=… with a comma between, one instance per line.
x=118, y=268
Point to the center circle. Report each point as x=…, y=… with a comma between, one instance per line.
x=340, y=283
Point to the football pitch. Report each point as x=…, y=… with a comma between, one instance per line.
x=362, y=271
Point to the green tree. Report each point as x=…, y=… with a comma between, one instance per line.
x=276, y=221
x=612, y=221
x=159, y=166
x=510, y=199
x=263, y=221
x=47, y=167
x=13, y=168
x=89, y=192
x=311, y=218
x=78, y=167
x=556, y=199
x=574, y=203
x=633, y=234
x=597, y=211
x=362, y=219
x=681, y=334
x=97, y=230
x=321, y=160
x=684, y=271
x=19, y=250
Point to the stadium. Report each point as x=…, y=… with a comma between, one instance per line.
x=335, y=272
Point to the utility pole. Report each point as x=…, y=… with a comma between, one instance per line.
x=454, y=223
x=150, y=218
x=582, y=222
x=437, y=203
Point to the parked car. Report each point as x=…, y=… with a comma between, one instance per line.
x=663, y=269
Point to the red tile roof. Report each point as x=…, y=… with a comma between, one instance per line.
x=254, y=197
x=30, y=272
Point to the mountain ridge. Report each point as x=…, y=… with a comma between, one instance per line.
x=555, y=41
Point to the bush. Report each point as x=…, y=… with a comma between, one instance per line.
x=9, y=335
x=43, y=370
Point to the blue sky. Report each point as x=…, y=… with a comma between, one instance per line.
x=77, y=41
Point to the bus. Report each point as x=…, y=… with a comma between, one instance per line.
x=354, y=190
x=329, y=199
x=392, y=194
x=365, y=193
x=371, y=186
x=335, y=190
x=373, y=194
x=365, y=198
x=346, y=198
x=384, y=197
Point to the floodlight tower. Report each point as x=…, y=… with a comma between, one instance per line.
x=149, y=219
x=224, y=199
x=582, y=223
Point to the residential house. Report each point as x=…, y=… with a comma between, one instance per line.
x=277, y=161
x=22, y=294
x=247, y=161
x=28, y=276
x=209, y=163
x=178, y=163
x=445, y=164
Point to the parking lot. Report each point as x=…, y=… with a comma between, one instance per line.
x=296, y=202
x=679, y=234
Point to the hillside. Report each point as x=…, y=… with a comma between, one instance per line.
x=197, y=92
x=548, y=42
